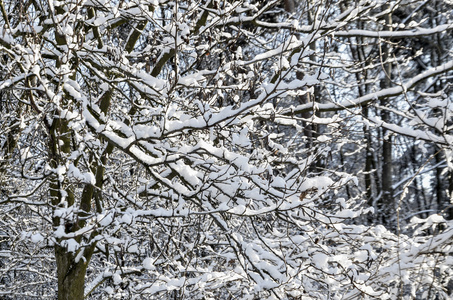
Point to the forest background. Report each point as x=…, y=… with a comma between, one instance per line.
x=226, y=149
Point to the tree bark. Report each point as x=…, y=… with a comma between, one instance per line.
x=71, y=275
x=387, y=204
x=290, y=6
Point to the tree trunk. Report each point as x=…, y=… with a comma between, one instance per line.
x=386, y=205
x=368, y=161
x=290, y=6
x=449, y=209
x=71, y=275
x=358, y=52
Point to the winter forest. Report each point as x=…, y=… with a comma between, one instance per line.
x=223, y=149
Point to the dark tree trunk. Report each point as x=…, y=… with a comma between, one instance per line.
x=387, y=203
x=71, y=275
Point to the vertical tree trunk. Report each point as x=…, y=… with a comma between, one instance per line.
x=368, y=161
x=449, y=209
x=419, y=190
x=387, y=204
x=71, y=267
x=358, y=52
x=71, y=275
x=311, y=130
x=439, y=186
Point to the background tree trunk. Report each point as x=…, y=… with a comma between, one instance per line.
x=386, y=206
